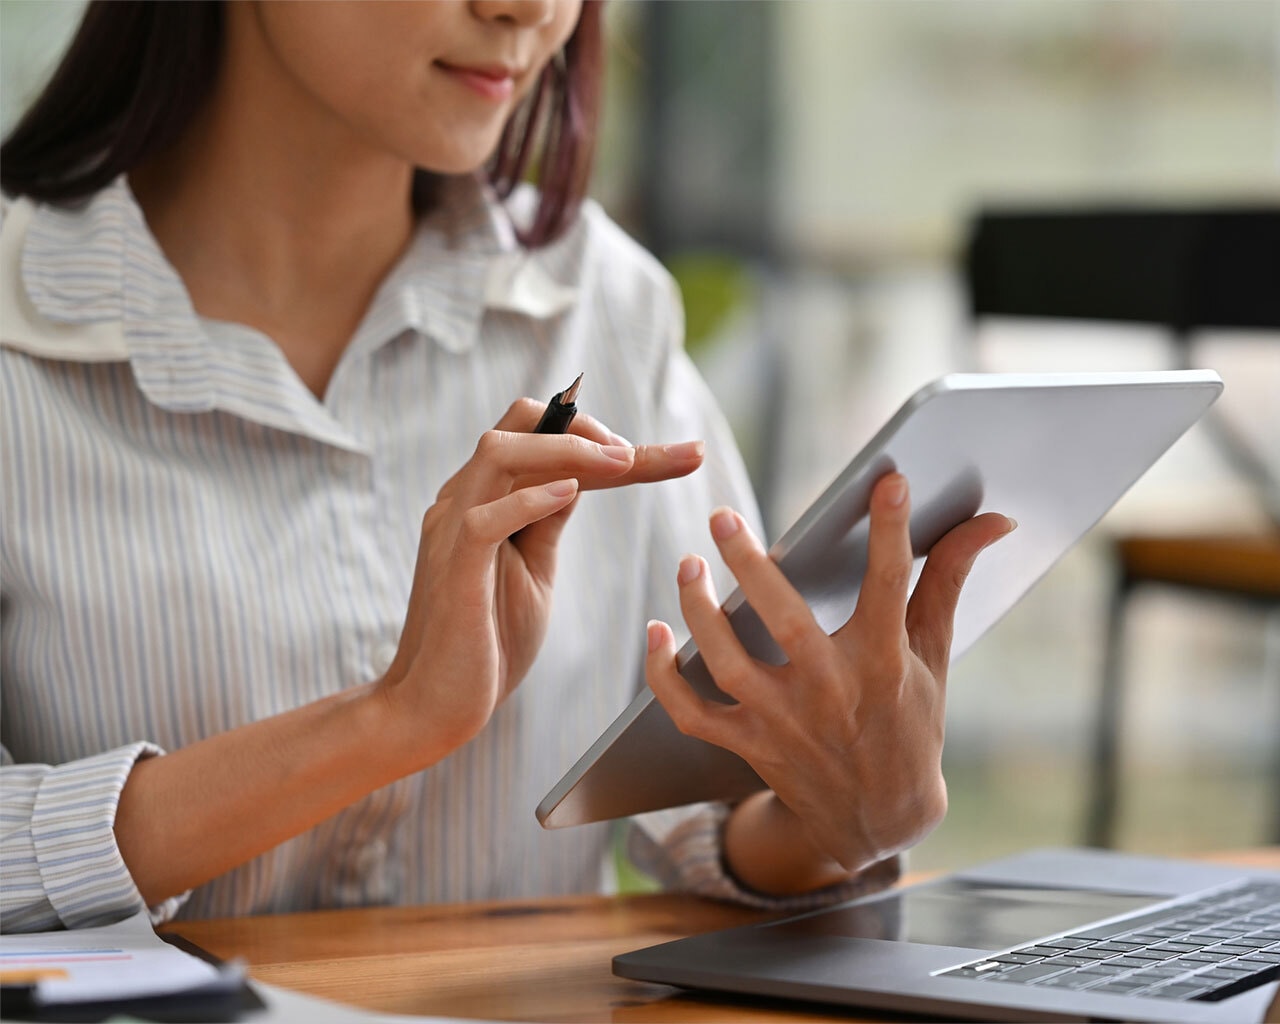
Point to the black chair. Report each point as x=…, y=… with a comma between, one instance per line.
x=1185, y=269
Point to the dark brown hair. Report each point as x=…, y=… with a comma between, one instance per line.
x=137, y=71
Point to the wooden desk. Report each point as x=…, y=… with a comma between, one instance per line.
x=543, y=960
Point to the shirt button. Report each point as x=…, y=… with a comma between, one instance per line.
x=383, y=657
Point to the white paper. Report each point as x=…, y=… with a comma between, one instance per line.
x=119, y=961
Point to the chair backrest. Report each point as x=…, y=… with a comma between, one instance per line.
x=1184, y=269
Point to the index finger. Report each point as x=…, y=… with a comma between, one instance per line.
x=882, y=602
x=593, y=430
x=653, y=462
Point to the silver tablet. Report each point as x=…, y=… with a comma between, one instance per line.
x=1054, y=451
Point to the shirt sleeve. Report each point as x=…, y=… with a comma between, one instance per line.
x=688, y=856
x=58, y=854
x=682, y=848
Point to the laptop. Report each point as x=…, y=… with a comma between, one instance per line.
x=1047, y=934
x=1054, y=451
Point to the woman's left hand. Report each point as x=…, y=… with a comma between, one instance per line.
x=848, y=733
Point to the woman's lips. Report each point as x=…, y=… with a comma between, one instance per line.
x=493, y=82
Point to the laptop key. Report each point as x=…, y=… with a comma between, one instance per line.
x=1206, y=956
x=1065, y=942
x=1145, y=938
x=963, y=972
x=1218, y=974
x=1104, y=968
x=1070, y=960
x=1094, y=954
x=1072, y=980
x=1039, y=951
x=1234, y=967
x=1130, y=961
x=1158, y=974
x=1233, y=950
x=1177, y=991
x=1120, y=986
x=1016, y=958
x=1152, y=953
x=1107, y=931
x=1028, y=972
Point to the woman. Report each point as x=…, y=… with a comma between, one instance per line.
x=268, y=308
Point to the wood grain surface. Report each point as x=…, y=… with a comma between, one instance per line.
x=544, y=960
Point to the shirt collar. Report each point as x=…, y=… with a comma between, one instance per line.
x=463, y=261
x=97, y=265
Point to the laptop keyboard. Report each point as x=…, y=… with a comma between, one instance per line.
x=1206, y=949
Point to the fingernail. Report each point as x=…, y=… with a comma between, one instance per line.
x=684, y=450
x=620, y=452
x=654, y=630
x=561, y=488
x=1013, y=524
x=724, y=523
x=895, y=491
x=690, y=569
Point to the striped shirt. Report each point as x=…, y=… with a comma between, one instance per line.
x=192, y=541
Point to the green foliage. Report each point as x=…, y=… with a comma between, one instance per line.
x=714, y=287
x=630, y=880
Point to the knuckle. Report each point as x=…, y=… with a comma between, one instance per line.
x=792, y=630
x=490, y=443
x=472, y=526
x=895, y=577
x=935, y=801
x=734, y=678
x=958, y=575
x=890, y=662
x=432, y=518
x=688, y=719
x=524, y=408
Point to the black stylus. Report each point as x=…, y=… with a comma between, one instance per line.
x=559, y=414
x=560, y=410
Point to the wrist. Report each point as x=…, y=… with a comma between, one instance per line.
x=767, y=849
x=399, y=738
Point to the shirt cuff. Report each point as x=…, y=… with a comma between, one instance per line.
x=694, y=856
x=72, y=830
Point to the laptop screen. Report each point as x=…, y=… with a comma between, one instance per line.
x=972, y=915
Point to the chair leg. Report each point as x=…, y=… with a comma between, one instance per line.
x=1100, y=824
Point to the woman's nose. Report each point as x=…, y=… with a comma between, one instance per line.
x=525, y=13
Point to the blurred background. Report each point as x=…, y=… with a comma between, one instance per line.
x=811, y=172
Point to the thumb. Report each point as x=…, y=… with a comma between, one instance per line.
x=538, y=543
x=932, y=609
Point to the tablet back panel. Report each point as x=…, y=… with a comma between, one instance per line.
x=1054, y=451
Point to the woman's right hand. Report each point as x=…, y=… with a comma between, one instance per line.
x=482, y=587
